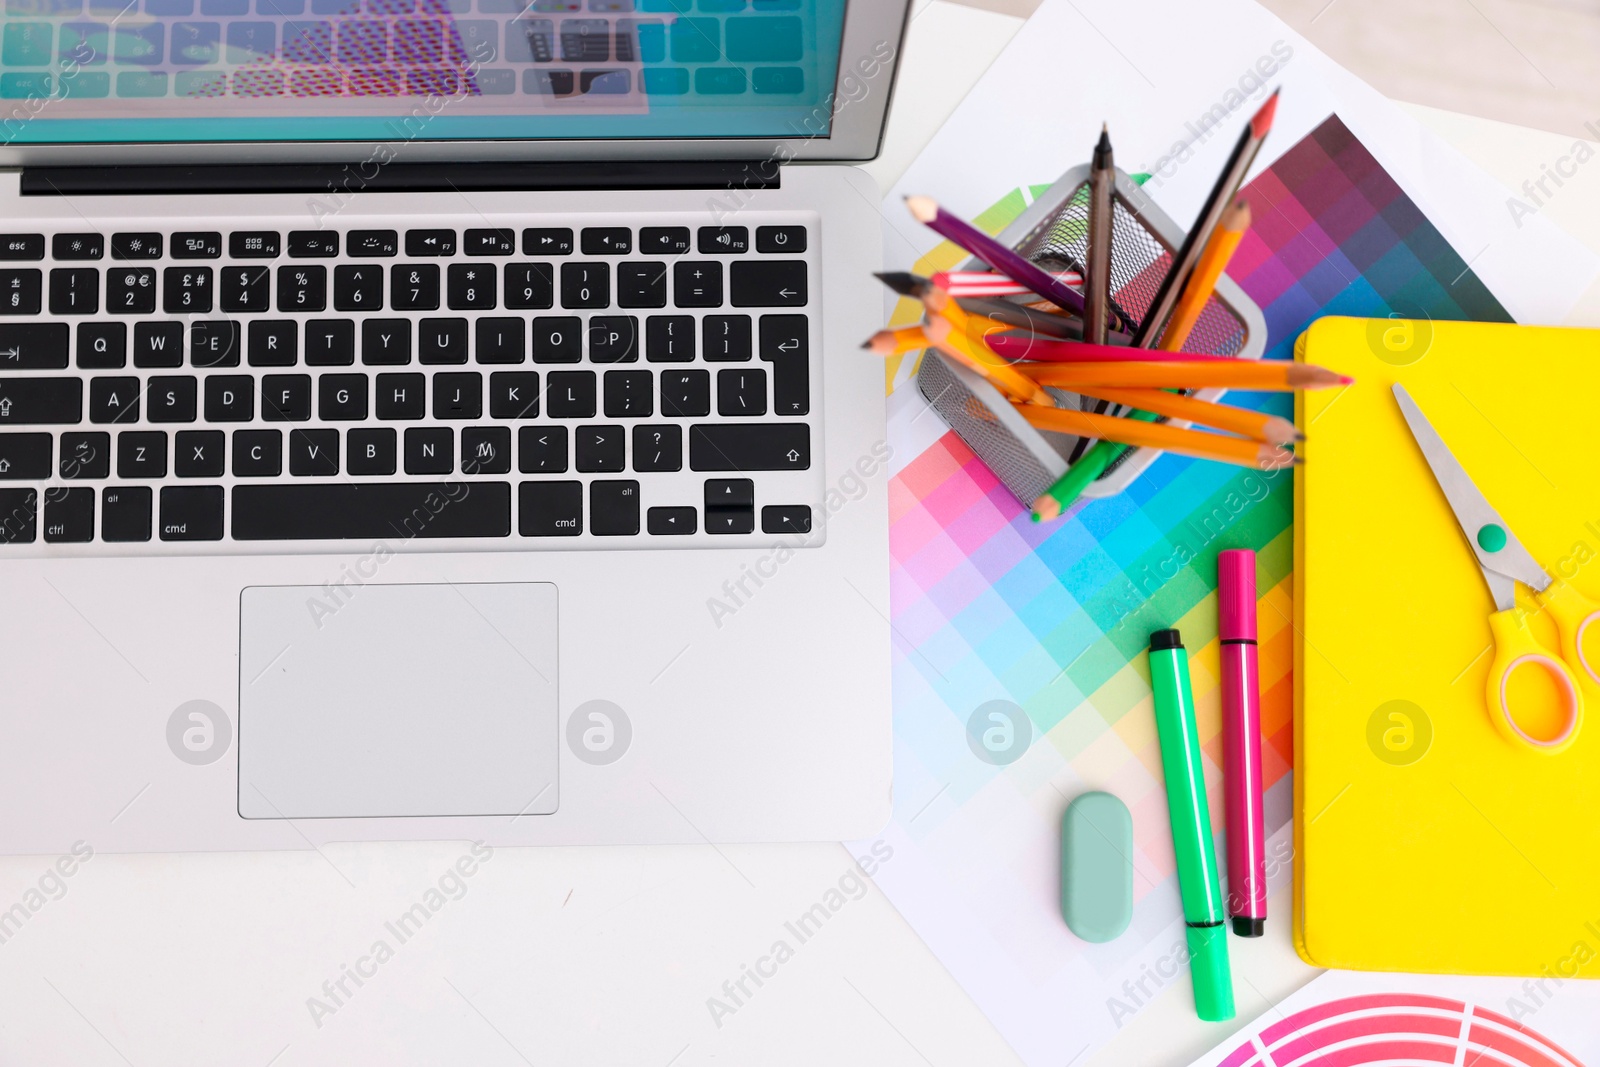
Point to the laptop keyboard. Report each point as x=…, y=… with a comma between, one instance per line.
x=634, y=383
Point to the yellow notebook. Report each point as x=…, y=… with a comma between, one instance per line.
x=1425, y=841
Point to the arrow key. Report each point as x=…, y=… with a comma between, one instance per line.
x=666, y=522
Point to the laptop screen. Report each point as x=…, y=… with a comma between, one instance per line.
x=106, y=71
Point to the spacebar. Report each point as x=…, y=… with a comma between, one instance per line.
x=399, y=510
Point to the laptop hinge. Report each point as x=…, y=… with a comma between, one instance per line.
x=399, y=177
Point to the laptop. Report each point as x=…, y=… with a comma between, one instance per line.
x=431, y=419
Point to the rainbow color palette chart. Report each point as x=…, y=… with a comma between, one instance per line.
x=1020, y=679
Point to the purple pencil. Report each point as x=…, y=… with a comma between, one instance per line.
x=927, y=211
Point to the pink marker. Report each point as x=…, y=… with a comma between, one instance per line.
x=1241, y=737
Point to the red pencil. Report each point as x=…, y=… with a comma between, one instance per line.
x=1019, y=347
x=927, y=211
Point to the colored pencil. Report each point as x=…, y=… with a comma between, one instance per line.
x=1269, y=429
x=1048, y=324
x=1222, y=194
x=888, y=343
x=1097, y=272
x=1141, y=434
x=987, y=283
x=1266, y=375
x=1018, y=347
x=1203, y=282
x=927, y=211
x=1081, y=475
x=943, y=336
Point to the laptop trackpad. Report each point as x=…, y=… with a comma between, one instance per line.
x=397, y=700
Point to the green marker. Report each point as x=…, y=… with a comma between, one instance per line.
x=1204, y=910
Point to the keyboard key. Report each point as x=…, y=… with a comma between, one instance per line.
x=352, y=510
x=614, y=508
x=69, y=516
x=24, y=456
x=697, y=284
x=669, y=338
x=358, y=288
x=114, y=400
x=342, y=397
x=530, y=285
x=442, y=341
x=542, y=449
x=414, y=287
x=686, y=393
x=313, y=453
x=274, y=343
x=313, y=244
x=601, y=449
x=430, y=242
x=557, y=340
x=777, y=239
x=158, y=344
x=570, y=394
x=22, y=245
x=730, y=520
x=131, y=290
x=501, y=340
x=36, y=401
x=742, y=392
x=471, y=286
x=215, y=343
x=75, y=246
x=19, y=516
x=85, y=455
x=768, y=283
x=199, y=454
x=101, y=345
x=658, y=448
x=490, y=242
x=666, y=522
x=723, y=240
x=230, y=398
x=642, y=285
x=486, y=450
x=547, y=242
x=784, y=345
x=430, y=450
x=372, y=451
x=726, y=338
x=286, y=397
x=330, y=342
x=253, y=244
x=125, y=513
x=458, y=396
x=730, y=493
x=257, y=453
x=141, y=454
x=386, y=342
x=245, y=288
x=613, y=339
x=74, y=291
x=664, y=240
x=550, y=509
x=401, y=396
x=514, y=395
x=629, y=394
x=172, y=399
x=196, y=245
x=191, y=513
x=186, y=290
x=21, y=291
x=34, y=345
x=742, y=446
x=606, y=241
x=583, y=285
x=371, y=244
x=137, y=245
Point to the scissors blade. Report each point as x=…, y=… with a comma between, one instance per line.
x=1473, y=511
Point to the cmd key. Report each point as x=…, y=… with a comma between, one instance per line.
x=33, y=345
x=35, y=401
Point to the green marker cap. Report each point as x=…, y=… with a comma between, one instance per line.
x=1213, y=978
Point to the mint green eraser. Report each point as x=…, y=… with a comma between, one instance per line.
x=1097, y=867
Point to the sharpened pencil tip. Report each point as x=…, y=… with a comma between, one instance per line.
x=1261, y=121
x=922, y=208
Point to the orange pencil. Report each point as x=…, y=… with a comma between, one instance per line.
x=1157, y=435
x=1254, y=424
x=1266, y=375
x=943, y=336
x=1203, y=282
x=887, y=343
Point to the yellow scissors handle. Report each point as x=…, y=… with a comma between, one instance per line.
x=1516, y=650
x=1573, y=613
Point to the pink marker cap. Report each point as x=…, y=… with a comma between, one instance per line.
x=1236, y=595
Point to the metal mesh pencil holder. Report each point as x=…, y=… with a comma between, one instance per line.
x=1053, y=233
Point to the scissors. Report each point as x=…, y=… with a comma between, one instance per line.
x=1505, y=562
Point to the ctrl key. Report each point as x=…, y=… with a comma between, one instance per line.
x=68, y=515
x=550, y=509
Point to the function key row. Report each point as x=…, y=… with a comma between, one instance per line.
x=377, y=244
